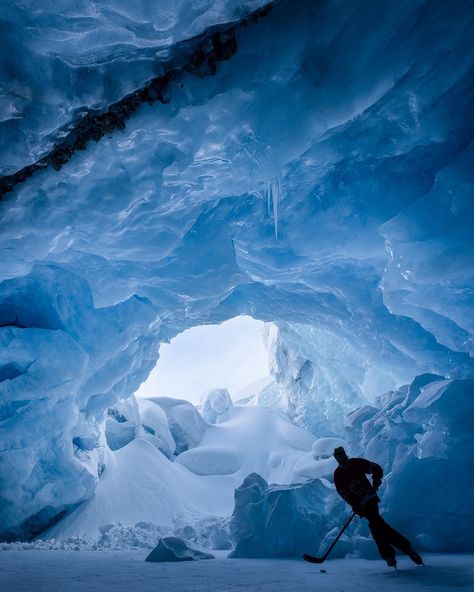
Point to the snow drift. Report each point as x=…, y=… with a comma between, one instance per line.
x=178, y=494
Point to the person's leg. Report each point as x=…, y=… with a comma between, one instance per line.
x=397, y=539
x=403, y=544
x=377, y=526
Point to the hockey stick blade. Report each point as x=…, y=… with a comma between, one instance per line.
x=313, y=559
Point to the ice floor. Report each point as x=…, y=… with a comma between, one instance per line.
x=89, y=571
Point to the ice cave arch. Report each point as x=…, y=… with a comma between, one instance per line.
x=320, y=180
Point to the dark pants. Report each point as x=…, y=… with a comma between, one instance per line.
x=385, y=537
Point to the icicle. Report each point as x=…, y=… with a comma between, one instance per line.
x=276, y=195
x=272, y=193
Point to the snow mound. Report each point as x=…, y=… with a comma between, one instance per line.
x=141, y=485
x=215, y=405
x=122, y=423
x=307, y=467
x=324, y=447
x=156, y=428
x=253, y=439
x=211, y=460
x=186, y=424
x=175, y=549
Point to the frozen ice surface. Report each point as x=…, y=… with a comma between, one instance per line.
x=363, y=262
x=43, y=571
x=174, y=549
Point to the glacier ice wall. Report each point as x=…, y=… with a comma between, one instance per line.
x=321, y=179
x=281, y=520
x=422, y=438
x=420, y=434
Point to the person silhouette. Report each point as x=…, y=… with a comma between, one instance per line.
x=352, y=484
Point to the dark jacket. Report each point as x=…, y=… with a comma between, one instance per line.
x=352, y=484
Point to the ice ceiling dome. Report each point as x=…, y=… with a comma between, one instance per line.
x=321, y=179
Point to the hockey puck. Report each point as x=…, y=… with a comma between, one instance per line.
x=322, y=571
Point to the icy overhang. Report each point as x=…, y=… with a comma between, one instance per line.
x=348, y=132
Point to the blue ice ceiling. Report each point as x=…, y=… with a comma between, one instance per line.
x=320, y=179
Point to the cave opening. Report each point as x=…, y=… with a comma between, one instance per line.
x=231, y=355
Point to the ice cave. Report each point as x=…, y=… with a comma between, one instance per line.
x=171, y=165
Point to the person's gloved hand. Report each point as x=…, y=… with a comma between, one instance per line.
x=357, y=508
x=376, y=483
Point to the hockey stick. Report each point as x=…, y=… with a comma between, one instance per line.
x=313, y=559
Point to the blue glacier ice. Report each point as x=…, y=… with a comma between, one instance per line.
x=420, y=434
x=215, y=405
x=280, y=520
x=319, y=179
x=174, y=549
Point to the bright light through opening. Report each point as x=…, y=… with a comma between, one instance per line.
x=231, y=355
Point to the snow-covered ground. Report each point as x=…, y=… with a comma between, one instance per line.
x=140, y=484
x=69, y=571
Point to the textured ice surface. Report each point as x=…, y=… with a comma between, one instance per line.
x=280, y=520
x=156, y=427
x=126, y=570
x=426, y=443
x=186, y=425
x=210, y=533
x=215, y=405
x=62, y=58
x=422, y=440
x=322, y=179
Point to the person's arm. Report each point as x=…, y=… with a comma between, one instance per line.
x=377, y=474
x=370, y=468
x=342, y=488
